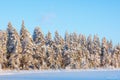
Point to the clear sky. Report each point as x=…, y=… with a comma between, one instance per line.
x=100, y=17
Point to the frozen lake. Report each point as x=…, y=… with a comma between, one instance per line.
x=62, y=75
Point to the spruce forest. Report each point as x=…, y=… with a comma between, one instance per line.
x=40, y=52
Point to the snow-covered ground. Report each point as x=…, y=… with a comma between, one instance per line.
x=90, y=74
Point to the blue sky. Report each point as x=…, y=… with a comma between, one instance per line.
x=100, y=17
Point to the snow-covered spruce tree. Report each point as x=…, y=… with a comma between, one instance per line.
x=84, y=51
x=38, y=36
x=59, y=60
x=74, y=40
x=58, y=39
x=58, y=47
x=3, y=50
x=13, y=48
x=89, y=43
x=96, y=51
x=67, y=41
x=48, y=39
x=82, y=40
x=113, y=53
x=40, y=49
x=51, y=58
x=108, y=60
x=90, y=50
x=116, y=57
x=107, y=57
x=27, y=49
x=74, y=51
x=66, y=37
x=103, y=55
x=69, y=57
x=50, y=51
x=75, y=37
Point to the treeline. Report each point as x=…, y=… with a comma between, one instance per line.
x=25, y=52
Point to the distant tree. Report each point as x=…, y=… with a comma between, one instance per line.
x=110, y=47
x=67, y=41
x=96, y=51
x=75, y=37
x=66, y=37
x=104, y=48
x=116, y=56
x=58, y=39
x=82, y=40
x=38, y=36
x=89, y=43
x=3, y=49
x=40, y=50
x=14, y=47
x=27, y=48
x=48, y=39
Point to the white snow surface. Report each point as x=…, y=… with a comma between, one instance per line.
x=83, y=74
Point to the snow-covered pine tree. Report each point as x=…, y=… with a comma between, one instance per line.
x=39, y=41
x=67, y=41
x=59, y=48
x=3, y=49
x=66, y=37
x=116, y=56
x=14, y=48
x=109, y=54
x=111, y=51
x=38, y=36
x=103, y=54
x=89, y=43
x=58, y=39
x=74, y=40
x=48, y=39
x=27, y=48
x=90, y=50
x=96, y=51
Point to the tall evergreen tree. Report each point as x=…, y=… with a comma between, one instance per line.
x=39, y=40
x=27, y=48
x=96, y=51
x=103, y=51
x=38, y=36
x=3, y=50
x=48, y=39
x=14, y=48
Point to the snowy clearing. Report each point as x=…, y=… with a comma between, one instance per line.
x=90, y=74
